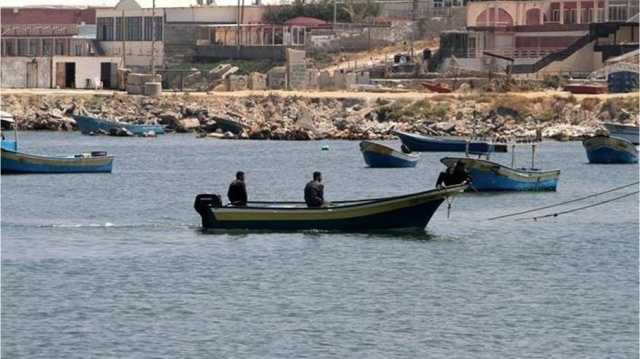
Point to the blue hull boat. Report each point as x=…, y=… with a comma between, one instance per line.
x=91, y=125
x=420, y=143
x=16, y=162
x=490, y=176
x=378, y=155
x=407, y=212
x=602, y=149
x=627, y=132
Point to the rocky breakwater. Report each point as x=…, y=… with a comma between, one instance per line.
x=307, y=118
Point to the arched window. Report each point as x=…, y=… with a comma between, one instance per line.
x=533, y=17
x=494, y=17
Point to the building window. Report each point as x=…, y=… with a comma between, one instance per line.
x=570, y=16
x=104, y=28
x=119, y=36
x=437, y=3
x=47, y=47
x=148, y=23
x=555, y=15
x=617, y=13
x=59, y=47
x=134, y=28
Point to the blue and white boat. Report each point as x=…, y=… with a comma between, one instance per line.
x=14, y=162
x=89, y=125
x=379, y=155
x=421, y=143
x=491, y=176
x=630, y=133
x=603, y=149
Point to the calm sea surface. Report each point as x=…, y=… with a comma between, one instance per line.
x=114, y=265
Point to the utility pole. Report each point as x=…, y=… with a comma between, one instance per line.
x=335, y=12
x=153, y=41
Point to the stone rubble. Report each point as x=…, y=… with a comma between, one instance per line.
x=506, y=117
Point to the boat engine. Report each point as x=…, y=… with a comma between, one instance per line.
x=205, y=201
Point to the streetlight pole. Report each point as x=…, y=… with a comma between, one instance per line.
x=153, y=41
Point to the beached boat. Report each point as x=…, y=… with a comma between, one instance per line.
x=379, y=155
x=588, y=88
x=435, y=87
x=411, y=211
x=13, y=161
x=89, y=125
x=630, y=133
x=421, y=143
x=491, y=176
x=603, y=149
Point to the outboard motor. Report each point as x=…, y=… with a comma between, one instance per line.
x=205, y=201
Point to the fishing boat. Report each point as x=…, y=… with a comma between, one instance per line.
x=89, y=125
x=406, y=212
x=421, y=143
x=630, y=133
x=379, y=155
x=14, y=162
x=491, y=176
x=603, y=149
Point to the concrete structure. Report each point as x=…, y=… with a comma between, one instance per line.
x=540, y=36
x=59, y=71
x=296, y=69
x=53, y=47
x=128, y=29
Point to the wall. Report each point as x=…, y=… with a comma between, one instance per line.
x=138, y=53
x=13, y=71
x=246, y=52
x=517, y=10
x=87, y=67
x=585, y=60
x=215, y=14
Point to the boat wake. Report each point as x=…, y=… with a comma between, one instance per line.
x=104, y=225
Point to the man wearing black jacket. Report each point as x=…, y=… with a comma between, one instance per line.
x=238, y=191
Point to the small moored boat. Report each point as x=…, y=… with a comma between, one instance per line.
x=603, y=149
x=630, y=133
x=421, y=143
x=18, y=162
x=92, y=125
x=379, y=155
x=490, y=176
x=14, y=162
x=411, y=211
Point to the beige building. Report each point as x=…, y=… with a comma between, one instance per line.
x=129, y=29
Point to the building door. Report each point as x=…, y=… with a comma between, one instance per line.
x=105, y=75
x=70, y=74
x=32, y=74
x=60, y=75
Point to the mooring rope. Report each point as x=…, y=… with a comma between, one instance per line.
x=565, y=202
x=580, y=208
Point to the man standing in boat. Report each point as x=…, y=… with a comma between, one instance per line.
x=314, y=192
x=238, y=191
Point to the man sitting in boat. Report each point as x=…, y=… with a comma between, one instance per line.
x=238, y=191
x=314, y=192
x=453, y=175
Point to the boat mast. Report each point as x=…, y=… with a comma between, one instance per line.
x=533, y=155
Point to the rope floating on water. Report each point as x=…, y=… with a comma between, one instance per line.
x=581, y=208
x=565, y=202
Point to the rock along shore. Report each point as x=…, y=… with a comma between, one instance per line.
x=498, y=116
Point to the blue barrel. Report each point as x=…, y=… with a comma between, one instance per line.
x=623, y=81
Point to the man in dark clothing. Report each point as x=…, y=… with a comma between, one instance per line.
x=314, y=191
x=237, y=191
x=453, y=175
